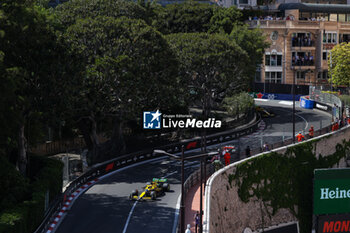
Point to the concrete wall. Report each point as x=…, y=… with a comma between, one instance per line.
x=225, y=212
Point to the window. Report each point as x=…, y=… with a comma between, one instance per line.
x=273, y=60
x=342, y=18
x=243, y=1
x=258, y=74
x=324, y=56
x=302, y=59
x=301, y=75
x=273, y=77
x=323, y=75
x=333, y=17
x=330, y=38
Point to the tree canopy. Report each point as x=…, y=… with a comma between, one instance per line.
x=210, y=63
x=88, y=62
x=339, y=64
x=129, y=68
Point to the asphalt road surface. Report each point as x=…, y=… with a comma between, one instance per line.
x=105, y=207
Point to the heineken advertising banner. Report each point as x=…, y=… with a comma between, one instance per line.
x=331, y=191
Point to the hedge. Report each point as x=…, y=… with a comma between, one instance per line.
x=26, y=216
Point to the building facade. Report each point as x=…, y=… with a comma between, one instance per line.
x=241, y=4
x=301, y=36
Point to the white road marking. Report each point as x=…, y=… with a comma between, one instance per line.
x=128, y=220
x=170, y=174
x=176, y=217
x=286, y=102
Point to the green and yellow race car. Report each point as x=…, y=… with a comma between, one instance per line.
x=152, y=190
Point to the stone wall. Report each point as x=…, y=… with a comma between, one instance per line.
x=228, y=214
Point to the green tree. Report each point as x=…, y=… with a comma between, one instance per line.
x=210, y=64
x=224, y=19
x=254, y=43
x=186, y=17
x=32, y=68
x=68, y=13
x=340, y=67
x=129, y=68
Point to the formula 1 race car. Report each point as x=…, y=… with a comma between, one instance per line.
x=152, y=190
x=264, y=113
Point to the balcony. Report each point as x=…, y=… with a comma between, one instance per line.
x=302, y=43
x=300, y=24
x=302, y=64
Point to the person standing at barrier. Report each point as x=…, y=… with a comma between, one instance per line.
x=311, y=131
x=227, y=158
x=300, y=137
x=196, y=220
x=336, y=127
x=188, y=230
x=247, y=151
x=266, y=147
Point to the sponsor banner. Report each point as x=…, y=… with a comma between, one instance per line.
x=333, y=223
x=331, y=191
x=306, y=103
x=323, y=107
x=272, y=96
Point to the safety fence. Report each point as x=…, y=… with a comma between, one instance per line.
x=194, y=179
x=322, y=96
x=129, y=159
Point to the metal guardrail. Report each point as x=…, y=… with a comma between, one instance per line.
x=126, y=160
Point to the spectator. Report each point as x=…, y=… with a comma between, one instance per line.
x=300, y=137
x=311, y=131
x=311, y=60
x=188, y=230
x=227, y=158
x=247, y=151
x=266, y=147
x=196, y=219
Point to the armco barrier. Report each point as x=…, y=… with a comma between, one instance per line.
x=126, y=160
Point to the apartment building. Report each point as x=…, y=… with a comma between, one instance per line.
x=241, y=4
x=301, y=36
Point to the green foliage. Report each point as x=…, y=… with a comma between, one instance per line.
x=14, y=187
x=239, y=103
x=224, y=19
x=24, y=216
x=35, y=73
x=345, y=99
x=253, y=42
x=68, y=13
x=210, y=64
x=340, y=69
x=285, y=180
x=186, y=17
x=129, y=66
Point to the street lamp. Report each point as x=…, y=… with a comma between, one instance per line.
x=182, y=204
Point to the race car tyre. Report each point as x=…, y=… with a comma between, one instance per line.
x=135, y=192
x=166, y=187
x=130, y=197
x=153, y=195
